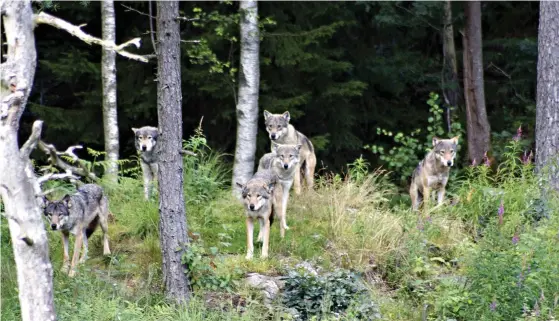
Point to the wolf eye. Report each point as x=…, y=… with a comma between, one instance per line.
x=279, y=127
x=281, y=156
x=452, y=150
x=258, y=196
x=149, y=137
x=442, y=152
x=269, y=126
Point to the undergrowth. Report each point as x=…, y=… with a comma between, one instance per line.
x=490, y=253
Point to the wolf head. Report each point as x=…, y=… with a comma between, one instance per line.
x=58, y=212
x=276, y=124
x=445, y=150
x=287, y=155
x=146, y=138
x=255, y=194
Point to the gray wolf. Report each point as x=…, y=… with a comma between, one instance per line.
x=432, y=172
x=284, y=162
x=262, y=199
x=146, y=142
x=80, y=214
x=282, y=132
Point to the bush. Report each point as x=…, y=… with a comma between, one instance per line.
x=338, y=292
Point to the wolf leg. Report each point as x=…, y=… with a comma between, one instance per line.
x=414, y=197
x=250, y=246
x=85, y=247
x=66, y=244
x=440, y=195
x=266, y=236
x=146, y=172
x=76, y=254
x=310, y=165
x=297, y=180
x=261, y=222
x=283, y=210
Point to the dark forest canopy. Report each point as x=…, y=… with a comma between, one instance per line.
x=342, y=69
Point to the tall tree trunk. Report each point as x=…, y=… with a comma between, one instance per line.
x=172, y=214
x=247, y=106
x=547, y=111
x=27, y=231
x=451, y=88
x=477, y=124
x=108, y=71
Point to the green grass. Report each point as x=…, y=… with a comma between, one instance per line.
x=453, y=265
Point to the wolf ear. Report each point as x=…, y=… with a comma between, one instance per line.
x=134, y=130
x=286, y=116
x=271, y=187
x=66, y=200
x=436, y=140
x=266, y=114
x=241, y=186
x=44, y=202
x=455, y=139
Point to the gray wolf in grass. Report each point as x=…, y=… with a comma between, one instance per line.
x=432, y=172
x=262, y=199
x=281, y=132
x=80, y=214
x=284, y=162
x=146, y=142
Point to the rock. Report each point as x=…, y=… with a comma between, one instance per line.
x=269, y=285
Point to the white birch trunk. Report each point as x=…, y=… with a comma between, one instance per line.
x=547, y=103
x=108, y=72
x=27, y=231
x=247, y=106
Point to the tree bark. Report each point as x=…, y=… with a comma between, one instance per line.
x=172, y=216
x=477, y=124
x=247, y=106
x=547, y=103
x=451, y=89
x=27, y=231
x=108, y=71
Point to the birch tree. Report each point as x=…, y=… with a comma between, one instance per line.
x=108, y=72
x=478, y=129
x=172, y=214
x=547, y=96
x=19, y=187
x=247, y=106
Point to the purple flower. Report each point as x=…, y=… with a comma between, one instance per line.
x=515, y=239
x=518, y=135
x=473, y=163
x=500, y=212
x=493, y=306
x=527, y=158
x=520, y=279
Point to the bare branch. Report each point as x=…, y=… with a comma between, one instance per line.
x=191, y=41
x=33, y=139
x=187, y=19
x=53, y=176
x=45, y=18
x=187, y=152
x=55, y=160
x=138, y=11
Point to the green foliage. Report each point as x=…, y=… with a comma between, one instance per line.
x=337, y=292
x=205, y=267
x=410, y=149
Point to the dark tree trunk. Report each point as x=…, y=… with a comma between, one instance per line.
x=247, y=106
x=477, y=124
x=172, y=215
x=27, y=230
x=547, y=111
x=451, y=88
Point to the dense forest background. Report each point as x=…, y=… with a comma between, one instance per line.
x=342, y=69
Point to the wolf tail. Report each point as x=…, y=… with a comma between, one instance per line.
x=92, y=227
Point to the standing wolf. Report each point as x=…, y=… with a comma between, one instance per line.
x=284, y=162
x=432, y=172
x=79, y=214
x=262, y=198
x=281, y=132
x=145, y=142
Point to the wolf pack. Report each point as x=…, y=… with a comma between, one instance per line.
x=265, y=196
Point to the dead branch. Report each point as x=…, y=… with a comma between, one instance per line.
x=33, y=139
x=45, y=18
x=138, y=11
x=55, y=160
x=53, y=176
x=187, y=152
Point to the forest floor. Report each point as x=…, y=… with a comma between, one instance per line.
x=354, y=251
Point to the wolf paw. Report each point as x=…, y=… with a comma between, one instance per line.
x=248, y=257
